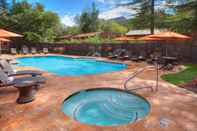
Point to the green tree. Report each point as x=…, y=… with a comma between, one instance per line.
x=88, y=20
x=3, y=12
x=147, y=16
x=33, y=21
x=112, y=26
x=39, y=7
x=146, y=13
x=72, y=30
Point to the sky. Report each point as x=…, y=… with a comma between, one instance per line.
x=68, y=9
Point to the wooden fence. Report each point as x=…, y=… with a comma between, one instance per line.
x=187, y=52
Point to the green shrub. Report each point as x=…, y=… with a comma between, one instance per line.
x=182, y=77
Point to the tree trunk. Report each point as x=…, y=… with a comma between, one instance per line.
x=152, y=25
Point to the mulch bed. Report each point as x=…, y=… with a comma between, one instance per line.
x=192, y=86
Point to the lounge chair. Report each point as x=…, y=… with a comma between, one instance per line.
x=13, y=51
x=45, y=50
x=110, y=55
x=134, y=57
x=125, y=55
x=26, y=85
x=25, y=50
x=8, y=69
x=141, y=58
x=33, y=50
x=96, y=54
x=115, y=54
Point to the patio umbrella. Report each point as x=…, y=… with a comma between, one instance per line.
x=124, y=38
x=166, y=37
x=3, y=40
x=7, y=34
x=146, y=38
x=170, y=36
x=4, y=34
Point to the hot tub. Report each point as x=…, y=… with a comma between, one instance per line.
x=106, y=107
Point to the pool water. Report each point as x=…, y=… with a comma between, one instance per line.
x=63, y=66
x=106, y=107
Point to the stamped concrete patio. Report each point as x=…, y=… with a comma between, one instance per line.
x=172, y=108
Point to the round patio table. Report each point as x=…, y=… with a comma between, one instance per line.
x=169, y=60
x=26, y=92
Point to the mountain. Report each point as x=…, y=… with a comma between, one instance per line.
x=120, y=19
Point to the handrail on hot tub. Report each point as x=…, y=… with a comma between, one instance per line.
x=135, y=74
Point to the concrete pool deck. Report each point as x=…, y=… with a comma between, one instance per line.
x=172, y=108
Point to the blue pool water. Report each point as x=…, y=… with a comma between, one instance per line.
x=106, y=107
x=63, y=66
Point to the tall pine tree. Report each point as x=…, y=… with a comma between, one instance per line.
x=147, y=9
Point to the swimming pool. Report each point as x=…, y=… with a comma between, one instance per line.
x=64, y=66
x=106, y=107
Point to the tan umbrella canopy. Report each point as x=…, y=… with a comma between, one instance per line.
x=7, y=34
x=168, y=36
x=124, y=38
x=4, y=40
x=147, y=38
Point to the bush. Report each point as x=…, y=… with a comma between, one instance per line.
x=92, y=40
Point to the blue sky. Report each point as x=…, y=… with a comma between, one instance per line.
x=68, y=9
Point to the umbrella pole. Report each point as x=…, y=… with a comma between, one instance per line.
x=166, y=48
x=0, y=47
x=157, y=74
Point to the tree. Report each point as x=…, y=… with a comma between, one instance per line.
x=33, y=21
x=3, y=4
x=3, y=12
x=112, y=26
x=147, y=8
x=39, y=7
x=20, y=7
x=72, y=30
x=88, y=20
x=146, y=12
x=3, y=7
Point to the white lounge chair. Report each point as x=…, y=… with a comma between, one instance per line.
x=33, y=50
x=45, y=50
x=8, y=69
x=25, y=50
x=13, y=51
x=25, y=85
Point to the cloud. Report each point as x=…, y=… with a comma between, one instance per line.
x=68, y=20
x=117, y=12
x=129, y=11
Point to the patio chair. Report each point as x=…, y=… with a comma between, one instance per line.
x=8, y=69
x=96, y=54
x=45, y=50
x=25, y=50
x=26, y=85
x=115, y=54
x=125, y=55
x=142, y=56
x=151, y=59
x=33, y=50
x=134, y=58
x=13, y=51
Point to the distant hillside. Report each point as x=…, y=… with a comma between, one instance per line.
x=121, y=20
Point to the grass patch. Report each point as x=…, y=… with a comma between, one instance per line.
x=182, y=77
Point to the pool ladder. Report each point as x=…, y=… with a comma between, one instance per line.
x=135, y=74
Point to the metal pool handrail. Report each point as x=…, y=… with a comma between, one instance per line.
x=135, y=74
